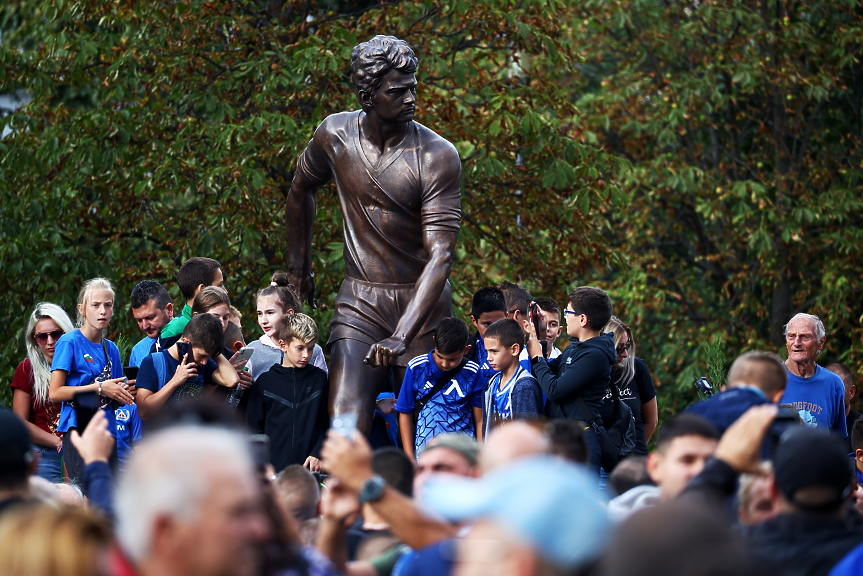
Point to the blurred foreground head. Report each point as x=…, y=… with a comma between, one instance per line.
x=535, y=516
x=190, y=503
x=676, y=539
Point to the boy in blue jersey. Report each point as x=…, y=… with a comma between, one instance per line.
x=128, y=432
x=457, y=407
x=487, y=307
x=512, y=393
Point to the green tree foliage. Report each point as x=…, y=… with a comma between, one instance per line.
x=157, y=131
x=741, y=121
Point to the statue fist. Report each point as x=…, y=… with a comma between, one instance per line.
x=385, y=352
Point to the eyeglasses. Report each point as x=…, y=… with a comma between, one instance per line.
x=623, y=347
x=514, y=310
x=42, y=337
x=568, y=312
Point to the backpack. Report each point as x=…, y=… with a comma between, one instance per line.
x=618, y=439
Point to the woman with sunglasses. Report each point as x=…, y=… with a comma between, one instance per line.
x=30, y=386
x=633, y=381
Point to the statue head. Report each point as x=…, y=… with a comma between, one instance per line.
x=371, y=60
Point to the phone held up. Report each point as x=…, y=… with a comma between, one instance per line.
x=345, y=424
x=185, y=349
x=86, y=406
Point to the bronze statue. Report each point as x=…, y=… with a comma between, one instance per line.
x=398, y=185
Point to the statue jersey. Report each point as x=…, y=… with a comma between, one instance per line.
x=388, y=208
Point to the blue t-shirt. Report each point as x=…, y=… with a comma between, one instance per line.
x=141, y=350
x=850, y=564
x=451, y=408
x=148, y=378
x=819, y=399
x=502, y=396
x=128, y=431
x=83, y=361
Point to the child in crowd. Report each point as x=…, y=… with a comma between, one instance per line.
x=582, y=373
x=237, y=317
x=553, y=327
x=512, y=393
x=85, y=361
x=128, y=432
x=167, y=376
x=289, y=402
x=518, y=301
x=195, y=274
x=451, y=406
x=487, y=307
x=234, y=339
x=857, y=449
x=275, y=302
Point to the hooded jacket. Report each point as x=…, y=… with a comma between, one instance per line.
x=583, y=371
x=290, y=406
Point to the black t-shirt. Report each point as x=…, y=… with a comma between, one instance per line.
x=638, y=391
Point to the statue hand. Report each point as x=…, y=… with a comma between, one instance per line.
x=385, y=352
x=305, y=286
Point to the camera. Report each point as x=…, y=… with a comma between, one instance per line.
x=704, y=387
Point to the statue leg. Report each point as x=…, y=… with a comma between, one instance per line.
x=354, y=386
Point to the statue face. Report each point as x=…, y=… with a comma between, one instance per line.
x=395, y=100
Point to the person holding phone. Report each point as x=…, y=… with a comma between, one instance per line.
x=179, y=374
x=30, y=402
x=85, y=361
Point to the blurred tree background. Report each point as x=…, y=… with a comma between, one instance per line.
x=700, y=161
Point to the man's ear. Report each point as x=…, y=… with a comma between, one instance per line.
x=654, y=467
x=858, y=454
x=852, y=391
x=777, y=396
x=169, y=310
x=473, y=321
x=365, y=99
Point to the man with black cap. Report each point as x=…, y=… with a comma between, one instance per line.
x=17, y=460
x=812, y=483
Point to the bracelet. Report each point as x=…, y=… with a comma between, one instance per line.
x=100, y=388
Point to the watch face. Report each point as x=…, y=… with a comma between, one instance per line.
x=372, y=490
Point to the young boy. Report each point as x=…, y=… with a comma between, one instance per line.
x=167, y=377
x=457, y=407
x=288, y=403
x=195, y=274
x=518, y=301
x=583, y=370
x=512, y=393
x=487, y=307
x=553, y=327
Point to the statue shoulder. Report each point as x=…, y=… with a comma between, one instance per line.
x=436, y=150
x=338, y=122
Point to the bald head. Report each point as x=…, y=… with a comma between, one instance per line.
x=510, y=442
x=763, y=370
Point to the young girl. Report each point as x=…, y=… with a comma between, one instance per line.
x=84, y=361
x=274, y=302
x=47, y=324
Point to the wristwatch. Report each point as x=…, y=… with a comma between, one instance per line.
x=372, y=490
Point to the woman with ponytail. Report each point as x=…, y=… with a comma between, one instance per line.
x=30, y=402
x=274, y=302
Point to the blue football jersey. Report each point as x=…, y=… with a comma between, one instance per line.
x=451, y=409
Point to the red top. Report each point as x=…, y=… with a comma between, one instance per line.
x=45, y=416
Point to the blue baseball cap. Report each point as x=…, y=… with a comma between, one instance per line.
x=554, y=505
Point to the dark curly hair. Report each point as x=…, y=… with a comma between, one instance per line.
x=371, y=60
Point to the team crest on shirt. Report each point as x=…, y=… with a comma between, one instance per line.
x=88, y=358
x=123, y=414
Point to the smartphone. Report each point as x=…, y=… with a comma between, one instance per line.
x=534, y=317
x=131, y=372
x=345, y=423
x=86, y=406
x=244, y=355
x=259, y=447
x=183, y=349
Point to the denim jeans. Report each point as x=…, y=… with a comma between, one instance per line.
x=50, y=464
x=594, y=449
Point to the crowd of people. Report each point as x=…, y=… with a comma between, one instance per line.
x=514, y=449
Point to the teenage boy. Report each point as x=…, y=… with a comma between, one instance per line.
x=195, y=274
x=289, y=402
x=553, y=326
x=153, y=310
x=167, y=376
x=487, y=307
x=454, y=406
x=518, y=301
x=582, y=373
x=512, y=393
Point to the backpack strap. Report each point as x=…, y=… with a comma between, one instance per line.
x=438, y=386
x=161, y=368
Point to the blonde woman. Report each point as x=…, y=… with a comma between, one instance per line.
x=52, y=541
x=85, y=361
x=633, y=381
x=30, y=402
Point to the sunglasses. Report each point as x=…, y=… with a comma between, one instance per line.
x=42, y=337
x=622, y=347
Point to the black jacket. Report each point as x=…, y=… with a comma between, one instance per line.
x=583, y=371
x=290, y=406
x=797, y=544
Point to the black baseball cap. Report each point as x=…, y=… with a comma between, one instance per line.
x=15, y=448
x=811, y=458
